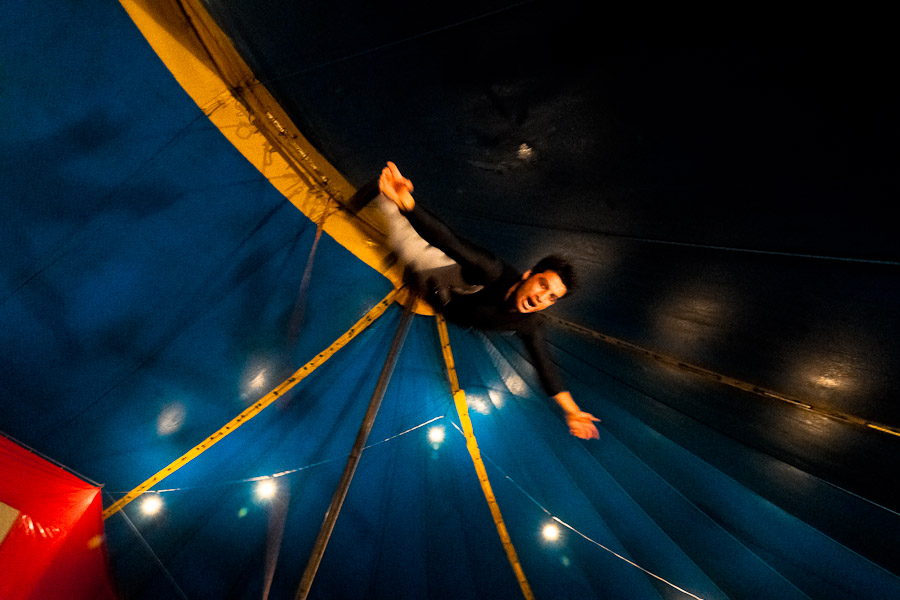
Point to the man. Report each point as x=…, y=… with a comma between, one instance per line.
x=474, y=288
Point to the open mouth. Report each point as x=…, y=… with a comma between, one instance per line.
x=528, y=303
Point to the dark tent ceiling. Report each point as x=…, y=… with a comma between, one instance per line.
x=729, y=210
x=756, y=179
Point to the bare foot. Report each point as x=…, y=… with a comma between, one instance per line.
x=397, y=188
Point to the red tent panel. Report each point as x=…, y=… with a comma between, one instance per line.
x=53, y=545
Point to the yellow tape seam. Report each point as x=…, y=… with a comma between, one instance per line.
x=255, y=408
x=459, y=400
x=726, y=380
x=204, y=61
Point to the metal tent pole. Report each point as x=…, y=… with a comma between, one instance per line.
x=340, y=493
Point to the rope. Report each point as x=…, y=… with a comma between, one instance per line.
x=300, y=304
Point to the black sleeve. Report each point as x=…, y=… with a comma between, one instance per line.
x=536, y=344
x=479, y=266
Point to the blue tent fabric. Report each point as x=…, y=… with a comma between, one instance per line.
x=151, y=277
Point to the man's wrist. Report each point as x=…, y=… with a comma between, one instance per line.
x=566, y=402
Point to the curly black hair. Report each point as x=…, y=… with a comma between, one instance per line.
x=561, y=267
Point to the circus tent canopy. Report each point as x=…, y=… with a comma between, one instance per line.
x=175, y=252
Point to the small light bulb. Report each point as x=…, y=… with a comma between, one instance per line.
x=151, y=505
x=525, y=151
x=266, y=489
x=550, y=532
x=436, y=435
x=259, y=381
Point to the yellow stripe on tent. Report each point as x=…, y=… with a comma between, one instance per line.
x=459, y=399
x=205, y=63
x=726, y=380
x=256, y=408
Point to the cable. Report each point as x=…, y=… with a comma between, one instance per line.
x=570, y=527
x=153, y=554
x=290, y=471
x=608, y=234
x=52, y=460
x=255, y=408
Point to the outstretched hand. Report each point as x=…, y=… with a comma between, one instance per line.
x=581, y=425
x=396, y=187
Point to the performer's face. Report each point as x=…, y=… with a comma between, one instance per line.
x=538, y=291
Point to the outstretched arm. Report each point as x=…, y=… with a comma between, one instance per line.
x=581, y=424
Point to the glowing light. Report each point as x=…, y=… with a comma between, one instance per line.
x=151, y=505
x=243, y=512
x=256, y=377
x=478, y=404
x=259, y=381
x=692, y=312
x=436, y=434
x=525, y=152
x=170, y=418
x=497, y=398
x=266, y=489
x=828, y=381
x=550, y=532
x=95, y=542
